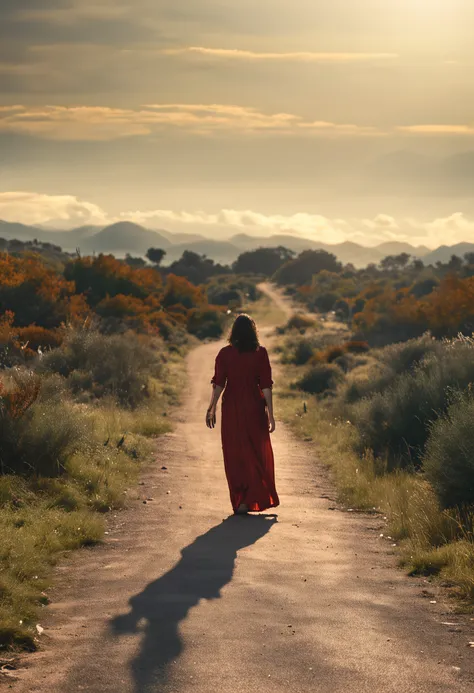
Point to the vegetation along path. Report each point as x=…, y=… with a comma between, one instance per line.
x=183, y=598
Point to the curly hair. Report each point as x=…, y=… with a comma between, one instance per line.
x=243, y=335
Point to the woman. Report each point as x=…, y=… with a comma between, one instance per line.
x=244, y=370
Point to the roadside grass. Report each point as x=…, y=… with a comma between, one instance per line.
x=431, y=541
x=44, y=516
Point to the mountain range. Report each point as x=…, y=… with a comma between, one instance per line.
x=126, y=237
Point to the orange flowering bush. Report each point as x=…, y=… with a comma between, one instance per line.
x=36, y=294
x=105, y=276
x=445, y=312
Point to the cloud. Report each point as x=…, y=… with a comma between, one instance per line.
x=67, y=211
x=382, y=228
x=297, y=56
x=302, y=224
x=440, y=129
x=381, y=221
x=35, y=208
x=105, y=123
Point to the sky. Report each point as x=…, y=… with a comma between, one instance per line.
x=341, y=120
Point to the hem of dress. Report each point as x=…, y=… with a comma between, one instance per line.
x=260, y=510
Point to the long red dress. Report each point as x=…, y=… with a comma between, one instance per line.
x=248, y=454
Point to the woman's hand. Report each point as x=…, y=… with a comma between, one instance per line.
x=211, y=417
x=271, y=423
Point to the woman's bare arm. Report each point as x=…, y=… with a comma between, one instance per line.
x=217, y=391
x=268, y=394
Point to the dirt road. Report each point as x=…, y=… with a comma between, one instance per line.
x=184, y=599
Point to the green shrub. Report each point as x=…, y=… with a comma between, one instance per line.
x=326, y=301
x=346, y=362
x=406, y=356
x=206, y=324
x=115, y=365
x=392, y=361
x=395, y=422
x=302, y=352
x=449, y=458
x=320, y=379
x=299, y=321
x=37, y=437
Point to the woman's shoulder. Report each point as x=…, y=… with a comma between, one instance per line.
x=262, y=350
x=225, y=350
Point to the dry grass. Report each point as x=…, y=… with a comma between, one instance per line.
x=41, y=518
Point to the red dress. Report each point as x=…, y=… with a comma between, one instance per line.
x=248, y=454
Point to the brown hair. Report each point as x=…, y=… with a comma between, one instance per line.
x=243, y=335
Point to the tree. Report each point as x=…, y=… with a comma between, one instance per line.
x=393, y=263
x=300, y=270
x=455, y=264
x=102, y=276
x=136, y=262
x=196, y=268
x=264, y=261
x=418, y=265
x=155, y=255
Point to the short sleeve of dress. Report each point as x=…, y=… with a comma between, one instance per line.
x=265, y=374
x=220, y=371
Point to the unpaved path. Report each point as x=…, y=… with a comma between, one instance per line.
x=183, y=599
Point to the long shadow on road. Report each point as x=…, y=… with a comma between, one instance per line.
x=206, y=566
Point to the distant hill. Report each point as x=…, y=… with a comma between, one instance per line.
x=222, y=252
x=124, y=237
x=180, y=238
x=127, y=237
x=12, y=230
x=445, y=252
x=396, y=248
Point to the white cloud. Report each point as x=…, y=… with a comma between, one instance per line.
x=295, y=56
x=247, y=221
x=36, y=208
x=383, y=227
x=67, y=211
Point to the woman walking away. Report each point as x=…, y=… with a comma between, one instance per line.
x=244, y=370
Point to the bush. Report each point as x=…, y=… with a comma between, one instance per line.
x=407, y=355
x=320, y=379
x=299, y=321
x=326, y=301
x=36, y=437
x=393, y=360
x=424, y=287
x=395, y=422
x=346, y=362
x=205, y=324
x=334, y=352
x=449, y=458
x=357, y=347
x=224, y=296
x=116, y=365
x=303, y=352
